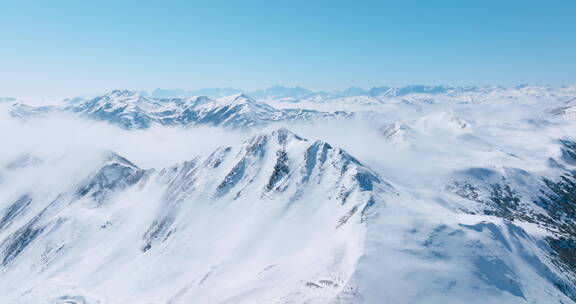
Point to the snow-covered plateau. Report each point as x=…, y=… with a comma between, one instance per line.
x=420, y=194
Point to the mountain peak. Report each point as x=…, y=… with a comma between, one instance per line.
x=113, y=157
x=236, y=99
x=283, y=136
x=241, y=97
x=124, y=96
x=122, y=93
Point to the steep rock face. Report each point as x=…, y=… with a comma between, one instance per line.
x=14, y=209
x=243, y=219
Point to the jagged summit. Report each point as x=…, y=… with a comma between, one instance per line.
x=122, y=93
x=282, y=136
x=113, y=157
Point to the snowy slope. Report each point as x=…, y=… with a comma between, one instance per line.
x=277, y=219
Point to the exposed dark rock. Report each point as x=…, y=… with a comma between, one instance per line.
x=14, y=210
x=281, y=170
x=15, y=244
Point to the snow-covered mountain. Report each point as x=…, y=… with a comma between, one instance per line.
x=453, y=195
x=132, y=110
x=410, y=93
x=235, y=226
x=282, y=219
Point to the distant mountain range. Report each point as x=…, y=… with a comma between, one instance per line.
x=138, y=110
x=132, y=110
x=297, y=93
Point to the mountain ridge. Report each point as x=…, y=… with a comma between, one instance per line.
x=279, y=168
x=132, y=110
x=247, y=217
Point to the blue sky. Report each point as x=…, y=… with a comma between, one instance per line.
x=64, y=48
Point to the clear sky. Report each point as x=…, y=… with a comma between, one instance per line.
x=65, y=48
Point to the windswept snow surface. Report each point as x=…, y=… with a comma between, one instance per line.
x=392, y=195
